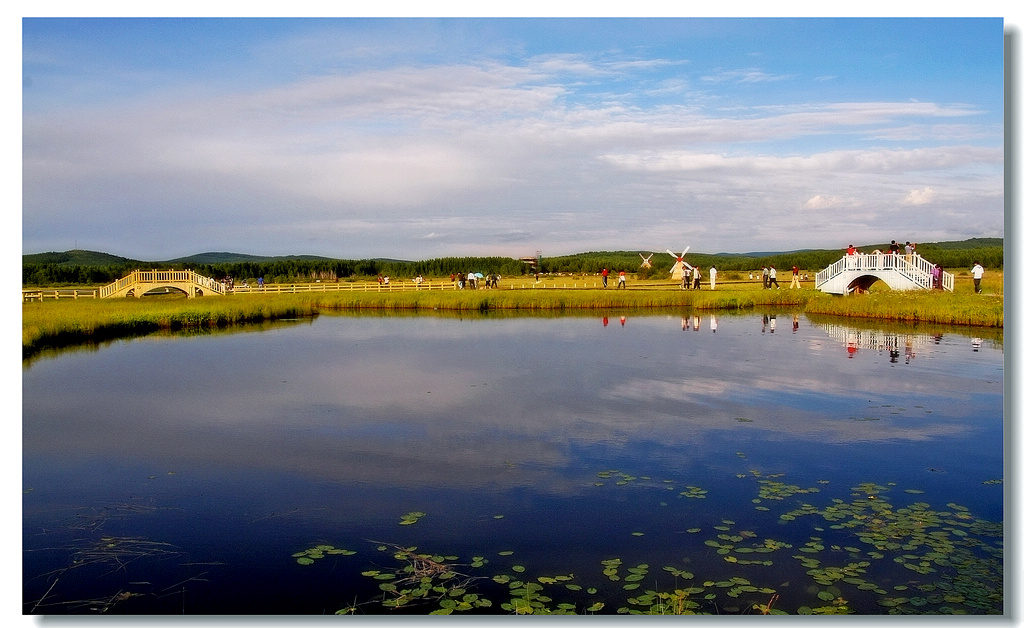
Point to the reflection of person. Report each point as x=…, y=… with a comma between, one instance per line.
x=714, y=323
x=796, y=322
x=977, y=271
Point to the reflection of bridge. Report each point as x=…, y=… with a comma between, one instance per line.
x=855, y=273
x=881, y=341
x=139, y=282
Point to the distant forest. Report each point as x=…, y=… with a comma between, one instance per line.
x=92, y=268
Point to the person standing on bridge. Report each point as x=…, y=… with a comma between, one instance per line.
x=773, y=278
x=696, y=277
x=795, y=282
x=894, y=252
x=977, y=271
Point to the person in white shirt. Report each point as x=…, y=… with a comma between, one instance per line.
x=977, y=272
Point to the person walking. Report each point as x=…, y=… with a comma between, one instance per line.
x=622, y=280
x=764, y=277
x=977, y=271
x=795, y=282
x=773, y=278
x=713, y=275
x=604, y=277
x=696, y=277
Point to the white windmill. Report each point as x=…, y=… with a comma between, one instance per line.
x=646, y=260
x=677, y=268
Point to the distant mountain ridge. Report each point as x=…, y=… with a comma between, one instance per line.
x=80, y=257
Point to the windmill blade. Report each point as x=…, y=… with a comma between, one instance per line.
x=683, y=254
x=671, y=253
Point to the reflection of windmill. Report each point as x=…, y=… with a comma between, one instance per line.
x=646, y=260
x=677, y=269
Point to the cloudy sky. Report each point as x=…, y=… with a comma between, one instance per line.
x=419, y=138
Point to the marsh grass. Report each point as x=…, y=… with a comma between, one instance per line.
x=54, y=324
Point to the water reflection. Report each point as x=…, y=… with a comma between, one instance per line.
x=455, y=403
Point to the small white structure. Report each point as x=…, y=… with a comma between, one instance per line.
x=857, y=272
x=646, y=260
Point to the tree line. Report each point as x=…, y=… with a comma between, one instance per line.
x=303, y=270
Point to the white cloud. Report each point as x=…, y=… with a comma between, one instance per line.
x=751, y=75
x=820, y=201
x=919, y=197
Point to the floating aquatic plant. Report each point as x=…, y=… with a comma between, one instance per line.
x=410, y=518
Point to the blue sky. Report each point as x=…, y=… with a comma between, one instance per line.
x=419, y=138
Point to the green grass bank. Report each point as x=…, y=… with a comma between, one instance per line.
x=54, y=324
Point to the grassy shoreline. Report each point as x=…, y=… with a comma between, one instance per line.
x=56, y=324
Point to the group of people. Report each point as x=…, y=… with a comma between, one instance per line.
x=622, y=278
x=692, y=279
x=471, y=280
x=229, y=283
x=770, y=278
x=909, y=250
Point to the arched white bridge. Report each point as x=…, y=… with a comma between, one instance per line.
x=139, y=282
x=858, y=272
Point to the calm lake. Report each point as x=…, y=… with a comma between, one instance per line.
x=727, y=464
